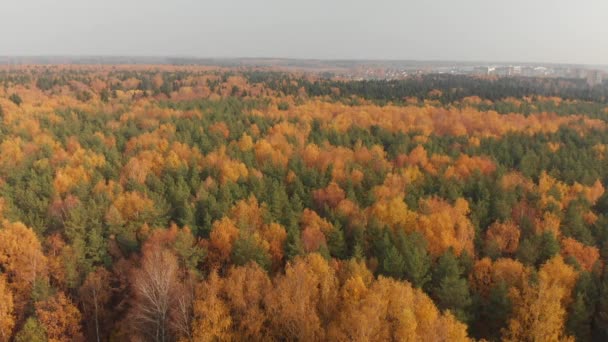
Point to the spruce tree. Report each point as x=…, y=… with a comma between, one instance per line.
x=449, y=289
x=393, y=264
x=417, y=261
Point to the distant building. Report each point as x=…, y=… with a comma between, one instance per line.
x=506, y=71
x=481, y=70
x=517, y=70
x=594, y=77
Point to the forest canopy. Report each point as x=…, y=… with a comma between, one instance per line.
x=183, y=203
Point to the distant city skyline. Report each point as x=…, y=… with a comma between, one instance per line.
x=540, y=31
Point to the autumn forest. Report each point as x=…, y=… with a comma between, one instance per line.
x=192, y=203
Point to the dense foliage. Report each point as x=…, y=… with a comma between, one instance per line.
x=199, y=204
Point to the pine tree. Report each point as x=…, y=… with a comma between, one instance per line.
x=246, y=249
x=495, y=311
x=278, y=203
x=548, y=247
x=293, y=244
x=579, y=319
x=417, y=261
x=393, y=264
x=600, y=319
x=336, y=243
x=449, y=289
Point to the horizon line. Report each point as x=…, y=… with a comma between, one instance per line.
x=266, y=58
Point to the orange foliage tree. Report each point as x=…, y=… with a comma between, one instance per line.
x=60, y=319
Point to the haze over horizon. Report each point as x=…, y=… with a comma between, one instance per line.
x=472, y=30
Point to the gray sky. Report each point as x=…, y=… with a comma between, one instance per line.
x=494, y=30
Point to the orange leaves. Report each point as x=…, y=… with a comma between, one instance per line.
x=556, y=272
x=311, y=155
x=309, y=302
x=132, y=205
x=418, y=157
x=341, y=159
x=230, y=170
x=312, y=219
x=540, y=310
x=513, y=179
x=553, y=146
x=79, y=166
x=136, y=170
x=158, y=140
x=395, y=184
x=246, y=220
x=248, y=214
x=480, y=278
x=128, y=213
x=356, y=176
x=245, y=143
x=593, y=193
x=181, y=154
x=265, y=152
x=11, y=152
x=221, y=240
x=60, y=319
x=313, y=239
x=486, y=274
x=303, y=300
x=505, y=235
x=549, y=222
x=314, y=231
x=600, y=150
x=586, y=256
x=430, y=119
x=391, y=310
x=245, y=289
x=275, y=235
x=21, y=255
x=212, y=321
x=276, y=147
x=351, y=210
x=7, y=318
x=220, y=128
x=511, y=271
x=330, y=196
x=130, y=83
x=394, y=213
x=68, y=178
x=153, y=152
x=560, y=194
x=461, y=168
x=365, y=163
x=446, y=226
x=465, y=166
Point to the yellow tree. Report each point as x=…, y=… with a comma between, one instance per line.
x=7, y=319
x=60, y=318
x=445, y=226
x=586, y=256
x=540, y=309
x=212, y=321
x=390, y=310
x=22, y=260
x=244, y=289
x=221, y=241
x=504, y=235
x=303, y=301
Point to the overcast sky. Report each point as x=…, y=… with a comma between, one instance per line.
x=479, y=30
